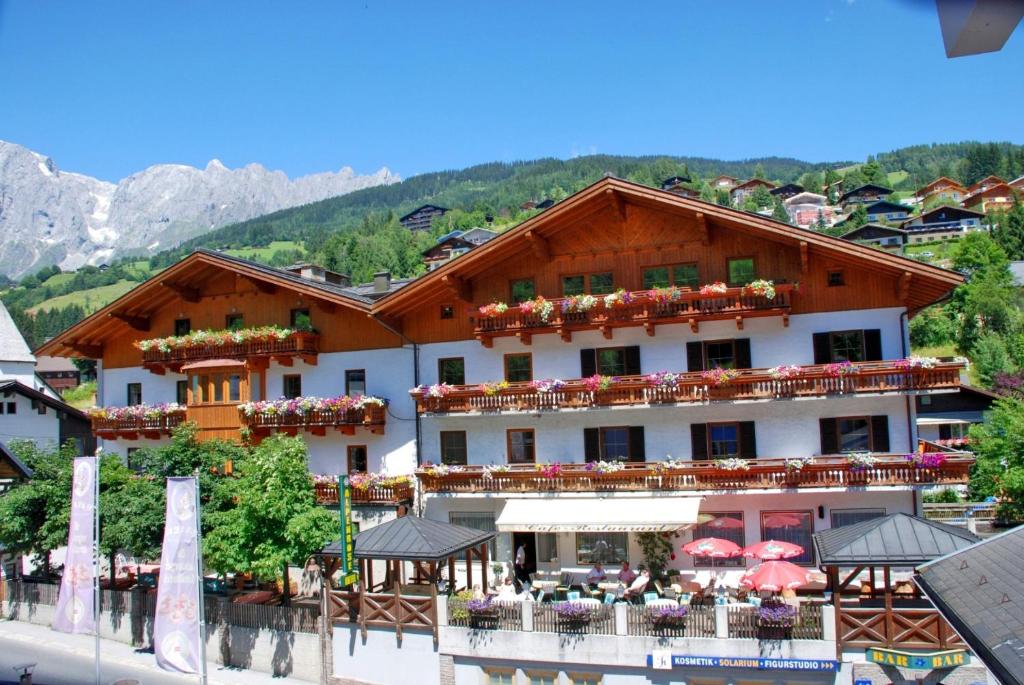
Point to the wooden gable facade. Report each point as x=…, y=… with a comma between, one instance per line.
x=623, y=228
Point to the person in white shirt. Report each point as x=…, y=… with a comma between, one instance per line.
x=637, y=587
x=521, y=573
x=507, y=589
x=596, y=574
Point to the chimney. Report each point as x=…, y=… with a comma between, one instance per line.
x=312, y=272
x=382, y=282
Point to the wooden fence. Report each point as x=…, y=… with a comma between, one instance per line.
x=745, y=622
x=699, y=622
x=903, y=628
x=498, y=616
x=600, y=621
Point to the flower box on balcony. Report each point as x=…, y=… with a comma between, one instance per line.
x=315, y=414
x=145, y=420
x=271, y=342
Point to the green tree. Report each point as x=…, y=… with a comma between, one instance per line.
x=1009, y=231
x=990, y=358
x=759, y=171
x=831, y=177
x=998, y=445
x=932, y=327
x=759, y=199
x=857, y=218
x=779, y=212
x=275, y=521
x=722, y=197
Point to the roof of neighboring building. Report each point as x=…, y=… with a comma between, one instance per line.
x=893, y=540
x=451, y=241
x=33, y=394
x=806, y=197
x=958, y=212
x=17, y=464
x=990, y=180
x=420, y=209
x=413, y=538
x=674, y=180
x=968, y=400
x=885, y=205
x=48, y=364
x=473, y=234
x=867, y=187
x=724, y=177
x=787, y=188
x=941, y=182
x=868, y=231
x=13, y=347
x=754, y=182
x=979, y=590
x=997, y=190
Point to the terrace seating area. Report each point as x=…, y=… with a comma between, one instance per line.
x=667, y=388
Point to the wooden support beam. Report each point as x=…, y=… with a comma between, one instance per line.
x=458, y=287
x=524, y=337
x=158, y=369
x=87, y=350
x=565, y=335
x=702, y=227
x=694, y=326
x=388, y=322
x=539, y=245
x=284, y=360
x=185, y=292
x=649, y=327
x=139, y=323
x=617, y=203
x=486, y=340
x=903, y=289
x=739, y=323
x=785, y=320
x=805, y=265
x=607, y=332
x=318, y=430
x=262, y=286
x=310, y=359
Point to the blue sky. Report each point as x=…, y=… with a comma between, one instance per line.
x=108, y=88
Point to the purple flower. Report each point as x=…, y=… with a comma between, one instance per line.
x=777, y=614
x=568, y=610
x=475, y=606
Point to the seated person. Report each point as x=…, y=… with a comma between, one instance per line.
x=626, y=574
x=639, y=585
x=507, y=590
x=596, y=574
x=477, y=592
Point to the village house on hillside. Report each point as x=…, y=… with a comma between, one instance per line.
x=787, y=191
x=942, y=223
x=996, y=197
x=888, y=238
x=421, y=218
x=891, y=212
x=941, y=189
x=866, y=194
x=742, y=191
x=620, y=367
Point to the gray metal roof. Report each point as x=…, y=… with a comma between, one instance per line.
x=19, y=465
x=979, y=590
x=13, y=347
x=893, y=540
x=413, y=539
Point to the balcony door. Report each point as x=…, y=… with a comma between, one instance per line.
x=214, y=393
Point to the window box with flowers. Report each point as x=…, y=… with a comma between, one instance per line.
x=573, y=617
x=618, y=299
x=483, y=614
x=578, y=304
x=139, y=417
x=668, y=619
x=492, y=310
x=775, y=622
x=604, y=467
x=314, y=411
x=597, y=385
x=794, y=467
x=860, y=464
x=538, y=307
x=926, y=460
x=207, y=344
x=761, y=288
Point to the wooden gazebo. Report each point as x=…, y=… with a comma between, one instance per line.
x=899, y=618
x=414, y=551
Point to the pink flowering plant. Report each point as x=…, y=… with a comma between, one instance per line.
x=665, y=295
x=547, y=384
x=785, y=373
x=578, y=303
x=303, y=406
x=619, y=298
x=926, y=460
x=718, y=377
x=372, y=481
x=716, y=288
x=549, y=471
x=839, y=369
x=211, y=338
x=915, y=362
x=663, y=379
x=137, y=411
x=599, y=383
x=493, y=309
x=538, y=306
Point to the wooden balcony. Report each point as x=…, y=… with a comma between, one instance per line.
x=133, y=428
x=822, y=472
x=883, y=377
x=643, y=310
x=371, y=417
x=300, y=345
x=899, y=627
x=327, y=494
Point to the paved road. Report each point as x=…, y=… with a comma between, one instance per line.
x=68, y=660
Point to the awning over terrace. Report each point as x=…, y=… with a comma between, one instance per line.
x=598, y=514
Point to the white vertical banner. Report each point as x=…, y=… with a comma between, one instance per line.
x=76, y=602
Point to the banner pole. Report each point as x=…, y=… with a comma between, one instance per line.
x=202, y=597
x=96, y=563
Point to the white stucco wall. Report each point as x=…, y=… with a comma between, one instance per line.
x=27, y=423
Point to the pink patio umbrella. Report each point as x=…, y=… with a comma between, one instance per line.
x=724, y=523
x=716, y=548
x=775, y=576
x=770, y=550
x=782, y=521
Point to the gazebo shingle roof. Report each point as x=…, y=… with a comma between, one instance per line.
x=412, y=538
x=893, y=540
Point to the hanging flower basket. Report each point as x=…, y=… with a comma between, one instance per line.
x=668, y=618
x=537, y=306
x=775, y=622
x=572, y=618
x=492, y=310
x=714, y=289
x=765, y=289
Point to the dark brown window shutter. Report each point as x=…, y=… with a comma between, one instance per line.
x=945, y=431
x=633, y=360
x=591, y=444
x=637, y=451
x=829, y=436
x=880, y=433
x=822, y=349
x=588, y=363
x=748, y=440
x=742, y=347
x=699, y=441
x=694, y=356
x=872, y=345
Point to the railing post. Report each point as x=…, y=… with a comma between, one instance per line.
x=828, y=622
x=527, y=616
x=442, y=610
x=621, y=618
x=721, y=621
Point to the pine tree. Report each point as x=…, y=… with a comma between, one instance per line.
x=779, y=212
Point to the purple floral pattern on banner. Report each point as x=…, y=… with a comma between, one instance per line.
x=76, y=601
x=176, y=628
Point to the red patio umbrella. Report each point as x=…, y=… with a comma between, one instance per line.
x=782, y=521
x=716, y=548
x=775, y=576
x=770, y=550
x=724, y=523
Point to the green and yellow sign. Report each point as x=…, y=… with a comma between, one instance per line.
x=348, y=559
x=923, y=661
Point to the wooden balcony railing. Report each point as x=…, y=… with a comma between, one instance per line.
x=642, y=310
x=752, y=384
x=327, y=494
x=372, y=417
x=133, y=428
x=300, y=344
x=900, y=627
x=822, y=472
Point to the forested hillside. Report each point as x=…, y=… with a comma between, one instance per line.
x=359, y=233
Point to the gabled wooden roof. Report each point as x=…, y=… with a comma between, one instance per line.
x=987, y=181
x=186, y=277
x=930, y=282
x=753, y=183
x=943, y=182
x=867, y=187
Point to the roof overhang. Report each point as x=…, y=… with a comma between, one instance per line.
x=599, y=515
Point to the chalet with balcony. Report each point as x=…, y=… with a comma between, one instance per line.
x=886, y=238
x=866, y=194
x=889, y=212
x=741, y=192
x=723, y=181
x=984, y=184
x=447, y=248
x=993, y=198
x=421, y=218
x=941, y=190
x=941, y=223
x=784, y=192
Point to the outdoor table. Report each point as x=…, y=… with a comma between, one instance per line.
x=609, y=586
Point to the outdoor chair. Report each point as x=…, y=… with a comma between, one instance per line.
x=659, y=588
x=540, y=595
x=650, y=597
x=572, y=596
x=609, y=598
